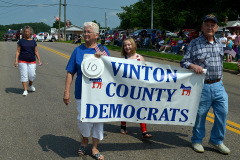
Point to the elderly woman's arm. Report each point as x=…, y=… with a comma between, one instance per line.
x=66, y=97
x=37, y=55
x=17, y=55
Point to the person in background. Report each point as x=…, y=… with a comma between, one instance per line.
x=26, y=59
x=163, y=48
x=229, y=51
x=206, y=52
x=223, y=41
x=90, y=34
x=236, y=42
x=178, y=46
x=233, y=35
x=153, y=38
x=129, y=52
x=186, y=42
x=34, y=36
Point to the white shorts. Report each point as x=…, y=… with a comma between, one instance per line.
x=85, y=128
x=27, y=70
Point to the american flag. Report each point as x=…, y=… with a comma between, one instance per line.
x=99, y=48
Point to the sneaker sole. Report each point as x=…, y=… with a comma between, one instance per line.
x=212, y=145
x=197, y=150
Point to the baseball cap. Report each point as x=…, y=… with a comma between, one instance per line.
x=210, y=17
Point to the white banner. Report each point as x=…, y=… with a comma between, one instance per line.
x=139, y=91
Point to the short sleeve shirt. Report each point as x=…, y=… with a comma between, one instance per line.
x=74, y=65
x=27, y=52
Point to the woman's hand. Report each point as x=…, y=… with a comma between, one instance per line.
x=98, y=54
x=39, y=63
x=66, y=98
x=16, y=64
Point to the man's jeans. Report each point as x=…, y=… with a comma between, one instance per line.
x=212, y=95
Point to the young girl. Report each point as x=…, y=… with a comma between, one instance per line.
x=129, y=52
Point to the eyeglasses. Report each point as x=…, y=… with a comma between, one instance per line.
x=210, y=26
x=87, y=33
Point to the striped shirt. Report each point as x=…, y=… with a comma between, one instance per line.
x=207, y=55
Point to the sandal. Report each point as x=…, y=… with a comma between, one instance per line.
x=146, y=135
x=82, y=151
x=98, y=156
x=123, y=129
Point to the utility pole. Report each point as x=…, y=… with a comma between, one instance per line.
x=65, y=38
x=59, y=21
x=152, y=16
x=105, y=21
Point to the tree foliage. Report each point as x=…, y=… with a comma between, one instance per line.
x=56, y=24
x=175, y=14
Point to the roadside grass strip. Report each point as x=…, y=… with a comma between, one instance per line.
x=234, y=127
x=54, y=51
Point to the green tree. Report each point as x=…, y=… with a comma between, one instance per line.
x=55, y=24
x=97, y=23
x=175, y=14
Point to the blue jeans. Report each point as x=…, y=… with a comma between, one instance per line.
x=212, y=95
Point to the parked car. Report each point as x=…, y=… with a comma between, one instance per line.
x=13, y=35
x=40, y=37
x=149, y=31
x=171, y=34
x=218, y=34
x=110, y=32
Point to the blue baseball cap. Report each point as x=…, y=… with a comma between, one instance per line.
x=210, y=17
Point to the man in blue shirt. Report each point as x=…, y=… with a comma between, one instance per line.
x=206, y=52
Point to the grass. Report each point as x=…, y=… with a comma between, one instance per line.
x=226, y=65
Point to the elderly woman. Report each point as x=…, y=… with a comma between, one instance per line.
x=26, y=59
x=90, y=35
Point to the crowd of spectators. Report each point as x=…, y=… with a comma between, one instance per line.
x=162, y=43
x=231, y=46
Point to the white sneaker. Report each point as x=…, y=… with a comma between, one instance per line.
x=162, y=51
x=220, y=147
x=32, y=88
x=25, y=93
x=198, y=147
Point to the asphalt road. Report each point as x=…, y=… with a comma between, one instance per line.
x=41, y=127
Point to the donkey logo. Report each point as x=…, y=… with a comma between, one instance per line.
x=98, y=82
x=185, y=89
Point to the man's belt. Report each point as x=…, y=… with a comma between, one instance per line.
x=211, y=81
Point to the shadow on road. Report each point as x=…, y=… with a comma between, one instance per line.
x=63, y=146
x=14, y=90
x=160, y=139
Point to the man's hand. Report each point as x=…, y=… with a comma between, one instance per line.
x=197, y=69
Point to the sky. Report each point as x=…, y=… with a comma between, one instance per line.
x=77, y=11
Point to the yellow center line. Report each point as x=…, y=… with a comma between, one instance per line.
x=54, y=51
x=228, y=122
x=209, y=114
